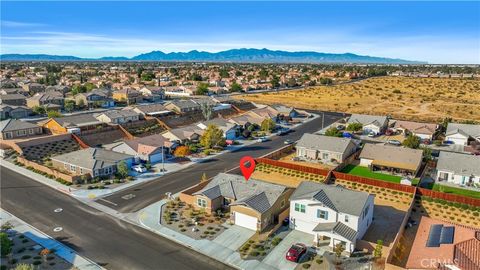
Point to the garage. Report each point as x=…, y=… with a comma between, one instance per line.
x=157, y=157
x=246, y=221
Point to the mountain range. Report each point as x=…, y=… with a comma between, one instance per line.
x=233, y=55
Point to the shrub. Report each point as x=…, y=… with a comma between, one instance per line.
x=26, y=257
x=305, y=265
x=254, y=253
x=37, y=262
x=319, y=261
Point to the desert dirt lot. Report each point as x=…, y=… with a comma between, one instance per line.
x=421, y=99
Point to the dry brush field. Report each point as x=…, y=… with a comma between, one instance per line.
x=421, y=99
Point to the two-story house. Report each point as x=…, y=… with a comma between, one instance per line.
x=152, y=93
x=183, y=106
x=324, y=148
x=52, y=100
x=13, y=99
x=128, y=96
x=325, y=212
x=95, y=98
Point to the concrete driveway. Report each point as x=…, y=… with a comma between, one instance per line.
x=234, y=237
x=276, y=257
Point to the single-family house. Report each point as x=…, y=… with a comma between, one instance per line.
x=253, y=204
x=72, y=123
x=155, y=109
x=286, y=111
x=462, y=134
x=325, y=148
x=151, y=148
x=118, y=116
x=461, y=169
x=13, y=99
x=183, y=106
x=33, y=88
x=13, y=129
x=129, y=96
x=95, y=162
x=331, y=213
x=95, y=98
x=152, y=93
x=370, y=123
x=266, y=112
x=190, y=133
x=394, y=159
x=53, y=100
x=58, y=88
x=247, y=119
x=16, y=112
x=230, y=130
x=424, y=131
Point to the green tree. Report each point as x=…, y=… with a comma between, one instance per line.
x=224, y=73
x=267, y=125
x=89, y=86
x=338, y=249
x=122, y=169
x=148, y=76
x=263, y=74
x=54, y=114
x=69, y=105
x=291, y=82
x=333, y=132
x=412, y=141
x=377, y=253
x=236, y=87
x=354, y=127
x=6, y=226
x=207, y=110
x=212, y=137
x=427, y=153
x=39, y=110
x=78, y=88
x=181, y=151
x=275, y=81
x=5, y=244
x=202, y=88
x=326, y=81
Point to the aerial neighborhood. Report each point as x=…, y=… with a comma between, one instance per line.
x=328, y=190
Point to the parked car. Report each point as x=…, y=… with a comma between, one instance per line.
x=283, y=131
x=426, y=142
x=347, y=135
x=288, y=141
x=139, y=168
x=394, y=142
x=262, y=139
x=371, y=134
x=389, y=132
x=295, y=252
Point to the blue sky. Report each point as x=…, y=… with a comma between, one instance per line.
x=437, y=32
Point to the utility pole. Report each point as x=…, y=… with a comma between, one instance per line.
x=323, y=119
x=163, y=160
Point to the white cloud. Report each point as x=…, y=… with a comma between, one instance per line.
x=12, y=24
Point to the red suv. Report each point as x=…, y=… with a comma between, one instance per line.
x=295, y=252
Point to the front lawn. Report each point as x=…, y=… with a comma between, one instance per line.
x=458, y=191
x=365, y=172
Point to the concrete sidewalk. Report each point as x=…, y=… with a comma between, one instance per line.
x=220, y=248
x=46, y=241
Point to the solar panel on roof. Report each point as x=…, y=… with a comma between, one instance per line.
x=434, y=235
x=446, y=235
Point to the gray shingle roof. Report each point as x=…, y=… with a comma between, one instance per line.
x=13, y=124
x=392, y=154
x=255, y=194
x=112, y=114
x=77, y=120
x=466, y=129
x=338, y=228
x=92, y=158
x=365, y=119
x=337, y=198
x=326, y=143
x=460, y=164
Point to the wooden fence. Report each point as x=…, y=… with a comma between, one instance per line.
x=448, y=196
x=69, y=178
x=373, y=182
x=296, y=167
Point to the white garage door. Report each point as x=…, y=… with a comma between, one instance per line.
x=245, y=221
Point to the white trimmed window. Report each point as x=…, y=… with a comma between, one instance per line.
x=322, y=214
x=300, y=208
x=201, y=202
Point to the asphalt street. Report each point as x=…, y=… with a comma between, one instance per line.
x=112, y=243
x=142, y=195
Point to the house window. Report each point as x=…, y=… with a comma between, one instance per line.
x=300, y=208
x=346, y=218
x=322, y=214
x=366, y=211
x=30, y=131
x=324, y=155
x=201, y=202
x=73, y=168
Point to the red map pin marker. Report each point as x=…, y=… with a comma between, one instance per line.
x=247, y=166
